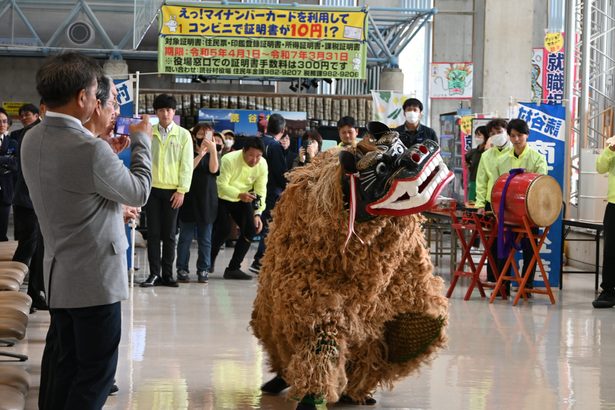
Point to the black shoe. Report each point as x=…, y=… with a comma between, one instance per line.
x=39, y=303
x=183, y=276
x=169, y=282
x=236, y=274
x=202, y=277
x=152, y=280
x=368, y=400
x=255, y=268
x=114, y=390
x=275, y=386
x=307, y=403
x=606, y=299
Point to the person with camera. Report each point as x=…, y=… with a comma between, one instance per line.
x=310, y=147
x=242, y=185
x=200, y=206
x=277, y=167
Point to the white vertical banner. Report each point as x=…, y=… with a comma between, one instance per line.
x=387, y=107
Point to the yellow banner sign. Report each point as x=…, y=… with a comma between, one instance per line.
x=12, y=107
x=466, y=124
x=554, y=42
x=256, y=21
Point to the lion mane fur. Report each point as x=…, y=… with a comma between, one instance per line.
x=310, y=286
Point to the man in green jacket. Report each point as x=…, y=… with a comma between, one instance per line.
x=242, y=189
x=172, y=156
x=522, y=156
x=606, y=163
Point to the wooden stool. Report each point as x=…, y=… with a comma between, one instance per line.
x=482, y=228
x=536, y=242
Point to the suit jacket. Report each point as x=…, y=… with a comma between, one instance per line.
x=21, y=196
x=276, y=162
x=77, y=185
x=8, y=167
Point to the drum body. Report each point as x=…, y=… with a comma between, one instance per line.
x=536, y=196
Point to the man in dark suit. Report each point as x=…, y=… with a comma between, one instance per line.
x=412, y=131
x=27, y=233
x=8, y=166
x=276, y=181
x=77, y=186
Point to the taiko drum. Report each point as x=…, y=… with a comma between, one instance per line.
x=536, y=196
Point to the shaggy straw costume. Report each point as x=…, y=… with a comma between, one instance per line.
x=321, y=312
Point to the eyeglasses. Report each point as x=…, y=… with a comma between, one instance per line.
x=4, y=121
x=113, y=104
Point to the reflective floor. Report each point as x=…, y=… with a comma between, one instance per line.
x=191, y=348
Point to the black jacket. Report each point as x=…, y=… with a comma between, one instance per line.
x=277, y=165
x=21, y=196
x=417, y=136
x=8, y=168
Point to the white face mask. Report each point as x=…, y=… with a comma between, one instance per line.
x=479, y=141
x=412, y=117
x=229, y=143
x=500, y=139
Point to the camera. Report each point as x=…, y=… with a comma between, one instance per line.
x=256, y=203
x=306, y=142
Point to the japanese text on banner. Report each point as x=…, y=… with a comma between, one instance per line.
x=255, y=21
x=547, y=127
x=553, y=68
x=253, y=57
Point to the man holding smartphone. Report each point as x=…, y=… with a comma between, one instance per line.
x=171, y=177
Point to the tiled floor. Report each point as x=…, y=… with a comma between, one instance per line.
x=191, y=348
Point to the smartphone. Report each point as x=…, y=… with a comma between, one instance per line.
x=122, y=124
x=209, y=135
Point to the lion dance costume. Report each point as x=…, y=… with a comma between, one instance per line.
x=346, y=297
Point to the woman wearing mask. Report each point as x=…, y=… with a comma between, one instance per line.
x=200, y=206
x=473, y=158
x=219, y=141
x=229, y=141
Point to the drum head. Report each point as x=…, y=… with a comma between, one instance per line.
x=544, y=200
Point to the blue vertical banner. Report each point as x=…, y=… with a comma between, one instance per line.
x=125, y=97
x=127, y=109
x=547, y=136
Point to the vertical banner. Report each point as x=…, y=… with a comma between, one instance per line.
x=127, y=109
x=451, y=81
x=387, y=107
x=536, y=75
x=547, y=130
x=263, y=41
x=465, y=133
x=125, y=97
x=553, y=69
